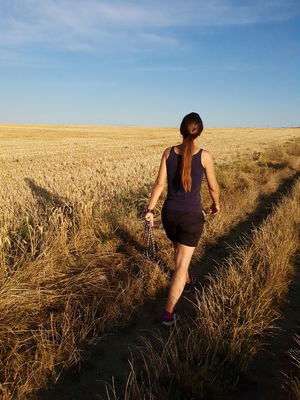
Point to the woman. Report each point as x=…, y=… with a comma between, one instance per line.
x=182, y=214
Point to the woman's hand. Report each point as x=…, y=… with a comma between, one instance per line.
x=149, y=218
x=214, y=209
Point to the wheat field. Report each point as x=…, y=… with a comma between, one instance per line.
x=71, y=209
x=94, y=164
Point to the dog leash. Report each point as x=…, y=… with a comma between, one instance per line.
x=151, y=246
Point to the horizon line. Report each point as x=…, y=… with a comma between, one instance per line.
x=3, y=124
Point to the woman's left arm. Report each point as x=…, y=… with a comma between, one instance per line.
x=157, y=187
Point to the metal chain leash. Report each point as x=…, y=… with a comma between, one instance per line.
x=151, y=246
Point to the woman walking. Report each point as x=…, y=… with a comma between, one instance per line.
x=182, y=214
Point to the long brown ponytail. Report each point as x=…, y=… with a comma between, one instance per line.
x=190, y=128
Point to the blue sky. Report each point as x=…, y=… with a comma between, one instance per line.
x=148, y=63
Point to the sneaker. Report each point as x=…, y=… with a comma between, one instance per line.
x=189, y=286
x=168, y=319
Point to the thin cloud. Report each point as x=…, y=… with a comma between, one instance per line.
x=233, y=67
x=163, y=68
x=161, y=40
x=84, y=25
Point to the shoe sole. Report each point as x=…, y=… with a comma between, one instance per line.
x=170, y=323
x=192, y=287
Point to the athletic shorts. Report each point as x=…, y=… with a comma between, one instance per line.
x=183, y=227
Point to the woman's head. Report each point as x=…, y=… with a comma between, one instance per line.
x=190, y=128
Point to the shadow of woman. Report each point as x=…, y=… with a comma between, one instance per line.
x=45, y=199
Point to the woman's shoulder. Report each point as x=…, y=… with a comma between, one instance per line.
x=206, y=157
x=167, y=152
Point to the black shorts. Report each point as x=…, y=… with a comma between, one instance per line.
x=183, y=227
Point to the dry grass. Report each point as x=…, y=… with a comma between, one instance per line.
x=233, y=315
x=292, y=382
x=71, y=266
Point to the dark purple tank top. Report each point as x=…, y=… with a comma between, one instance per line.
x=177, y=198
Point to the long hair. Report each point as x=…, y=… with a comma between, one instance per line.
x=190, y=128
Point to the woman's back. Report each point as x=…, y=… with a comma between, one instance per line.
x=177, y=198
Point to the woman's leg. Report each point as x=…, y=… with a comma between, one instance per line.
x=175, y=245
x=179, y=279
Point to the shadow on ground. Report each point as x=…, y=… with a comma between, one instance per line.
x=46, y=199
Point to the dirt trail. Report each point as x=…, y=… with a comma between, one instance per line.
x=110, y=356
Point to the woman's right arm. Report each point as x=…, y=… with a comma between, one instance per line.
x=213, y=186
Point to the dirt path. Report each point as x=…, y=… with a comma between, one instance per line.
x=110, y=356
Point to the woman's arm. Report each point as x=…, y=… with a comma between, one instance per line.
x=158, y=186
x=213, y=186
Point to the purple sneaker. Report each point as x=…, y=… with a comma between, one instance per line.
x=169, y=319
x=189, y=286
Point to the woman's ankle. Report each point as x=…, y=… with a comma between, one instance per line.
x=188, y=280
